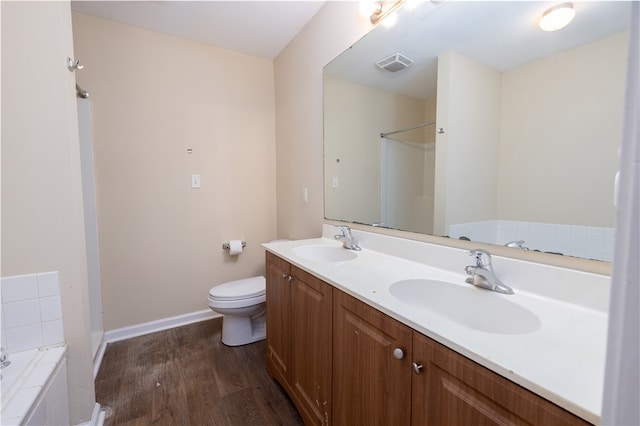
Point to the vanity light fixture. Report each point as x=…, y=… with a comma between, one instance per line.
x=557, y=17
x=376, y=10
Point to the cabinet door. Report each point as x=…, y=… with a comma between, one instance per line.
x=278, y=320
x=453, y=390
x=370, y=385
x=311, y=354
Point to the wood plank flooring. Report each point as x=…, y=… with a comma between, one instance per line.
x=187, y=376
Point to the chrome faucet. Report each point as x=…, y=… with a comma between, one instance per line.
x=517, y=244
x=482, y=275
x=347, y=239
x=4, y=362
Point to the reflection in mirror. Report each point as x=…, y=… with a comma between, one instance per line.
x=514, y=131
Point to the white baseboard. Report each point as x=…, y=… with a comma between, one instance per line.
x=146, y=328
x=158, y=325
x=97, y=359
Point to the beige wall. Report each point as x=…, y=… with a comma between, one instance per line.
x=467, y=152
x=355, y=115
x=42, y=219
x=564, y=154
x=154, y=96
x=298, y=79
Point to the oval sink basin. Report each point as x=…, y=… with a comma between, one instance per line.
x=469, y=306
x=322, y=253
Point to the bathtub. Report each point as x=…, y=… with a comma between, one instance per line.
x=33, y=389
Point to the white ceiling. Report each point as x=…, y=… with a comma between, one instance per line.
x=500, y=34
x=257, y=28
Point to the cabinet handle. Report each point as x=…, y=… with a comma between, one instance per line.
x=398, y=353
x=417, y=368
x=287, y=277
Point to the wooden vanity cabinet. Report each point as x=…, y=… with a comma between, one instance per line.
x=372, y=366
x=299, y=335
x=450, y=389
x=279, y=313
x=345, y=363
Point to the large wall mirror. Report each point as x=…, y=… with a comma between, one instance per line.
x=478, y=125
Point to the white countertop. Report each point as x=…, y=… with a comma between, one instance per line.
x=562, y=361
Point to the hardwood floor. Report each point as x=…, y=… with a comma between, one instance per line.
x=186, y=376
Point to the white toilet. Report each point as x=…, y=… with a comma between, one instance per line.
x=242, y=303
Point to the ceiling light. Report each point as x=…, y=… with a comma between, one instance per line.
x=370, y=7
x=377, y=9
x=557, y=17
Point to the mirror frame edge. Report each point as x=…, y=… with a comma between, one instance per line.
x=566, y=262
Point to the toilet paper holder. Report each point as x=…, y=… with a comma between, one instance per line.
x=226, y=246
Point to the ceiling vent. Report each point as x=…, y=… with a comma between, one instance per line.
x=395, y=62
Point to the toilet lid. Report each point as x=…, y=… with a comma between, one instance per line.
x=240, y=289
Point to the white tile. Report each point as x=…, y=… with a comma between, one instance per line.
x=21, y=403
x=535, y=228
x=48, y=284
x=52, y=333
x=24, y=338
x=522, y=228
x=53, y=355
x=595, y=236
x=17, y=314
x=535, y=242
x=594, y=253
x=3, y=338
x=579, y=237
x=564, y=232
x=511, y=229
x=609, y=234
x=579, y=252
x=39, y=376
x=50, y=308
x=19, y=287
x=548, y=237
x=500, y=234
x=608, y=244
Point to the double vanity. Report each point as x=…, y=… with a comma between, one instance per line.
x=393, y=334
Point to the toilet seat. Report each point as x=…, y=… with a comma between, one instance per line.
x=248, y=288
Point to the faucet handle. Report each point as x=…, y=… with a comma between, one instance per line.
x=346, y=230
x=482, y=257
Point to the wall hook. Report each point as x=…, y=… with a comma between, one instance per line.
x=73, y=65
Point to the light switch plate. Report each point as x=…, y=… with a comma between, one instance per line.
x=195, y=181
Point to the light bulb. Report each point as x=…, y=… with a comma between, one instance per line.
x=557, y=17
x=390, y=20
x=369, y=7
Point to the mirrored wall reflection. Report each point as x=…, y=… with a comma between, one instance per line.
x=515, y=130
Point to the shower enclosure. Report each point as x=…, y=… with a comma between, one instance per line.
x=90, y=220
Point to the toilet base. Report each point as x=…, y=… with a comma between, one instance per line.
x=242, y=330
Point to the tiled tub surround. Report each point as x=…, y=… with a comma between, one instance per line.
x=34, y=388
x=590, y=242
x=562, y=361
x=31, y=312
x=34, y=385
